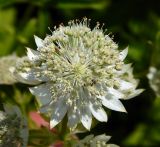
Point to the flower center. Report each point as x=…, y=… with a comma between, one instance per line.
x=79, y=69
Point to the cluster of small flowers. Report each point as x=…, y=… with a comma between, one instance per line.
x=154, y=80
x=98, y=141
x=76, y=71
x=6, y=76
x=13, y=128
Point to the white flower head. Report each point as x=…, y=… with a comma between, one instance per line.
x=154, y=79
x=13, y=127
x=6, y=63
x=98, y=141
x=76, y=71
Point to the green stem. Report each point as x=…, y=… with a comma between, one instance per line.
x=63, y=130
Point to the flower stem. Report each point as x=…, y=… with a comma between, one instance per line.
x=63, y=130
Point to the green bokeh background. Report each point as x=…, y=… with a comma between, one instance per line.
x=133, y=23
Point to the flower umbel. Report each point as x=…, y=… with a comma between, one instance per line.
x=98, y=141
x=76, y=71
x=154, y=79
x=13, y=128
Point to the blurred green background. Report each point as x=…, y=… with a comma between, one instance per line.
x=133, y=23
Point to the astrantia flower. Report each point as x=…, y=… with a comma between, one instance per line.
x=154, y=79
x=76, y=71
x=98, y=141
x=6, y=76
x=13, y=128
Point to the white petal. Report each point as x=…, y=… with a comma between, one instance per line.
x=125, y=68
x=42, y=92
x=39, y=41
x=123, y=54
x=112, y=145
x=113, y=103
x=115, y=92
x=32, y=54
x=88, y=138
x=73, y=118
x=102, y=138
x=59, y=112
x=124, y=85
x=46, y=108
x=27, y=78
x=86, y=117
x=98, y=113
x=134, y=94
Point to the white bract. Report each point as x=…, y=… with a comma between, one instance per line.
x=75, y=72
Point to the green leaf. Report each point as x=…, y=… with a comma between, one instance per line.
x=4, y=2
x=83, y=5
x=41, y=138
x=43, y=22
x=28, y=31
x=7, y=30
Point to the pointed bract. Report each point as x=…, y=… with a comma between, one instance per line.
x=32, y=54
x=86, y=117
x=42, y=92
x=124, y=85
x=26, y=78
x=123, y=54
x=73, y=118
x=98, y=113
x=39, y=41
x=116, y=93
x=58, y=113
x=134, y=94
x=112, y=103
